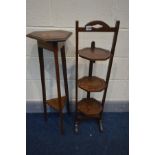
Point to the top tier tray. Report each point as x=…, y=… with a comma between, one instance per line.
x=94, y=54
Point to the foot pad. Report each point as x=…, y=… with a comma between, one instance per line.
x=76, y=128
x=101, y=125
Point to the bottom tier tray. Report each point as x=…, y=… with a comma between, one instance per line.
x=89, y=106
x=54, y=103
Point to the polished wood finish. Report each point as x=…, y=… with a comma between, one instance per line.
x=102, y=25
x=55, y=35
x=90, y=75
x=41, y=62
x=89, y=107
x=92, y=84
x=96, y=26
x=50, y=40
x=91, y=66
x=111, y=61
x=58, y=87
x=54, y=103
x=76, y=70
x=64, y=69
x=45, y=45
x=94, y=54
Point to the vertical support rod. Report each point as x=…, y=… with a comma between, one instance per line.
x=58, y=86
x=76, y=72
x=110, y=61
x=41, y=62
x=64, y=68
x=91, y=66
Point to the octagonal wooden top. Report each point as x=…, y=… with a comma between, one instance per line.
x=94, y=54
x=53, y=35
x=92, y=84
x=89, y=106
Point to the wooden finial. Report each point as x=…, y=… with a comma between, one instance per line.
x=93, y=44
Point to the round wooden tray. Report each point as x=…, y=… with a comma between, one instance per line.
x=95, y=54
x=92, y=84
x=89, y=106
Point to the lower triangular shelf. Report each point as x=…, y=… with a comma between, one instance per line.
x=54, y=103
x=89, y=106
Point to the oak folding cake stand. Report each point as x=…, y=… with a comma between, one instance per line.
x=51, y=40
x=89, y=107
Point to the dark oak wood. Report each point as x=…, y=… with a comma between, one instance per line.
x=110, y=62
x=58, y=86
x=94, y=54
x=54, y=103
x=100, y=26
x=64, y=69
x=90, y=74
x=92, y=84
x=96, y=26
x=83, y=29
x=45, y=45
x=41, y=62
x=76, y=70
x=55, y=35
x=89, y=106
x=91, y=66
x=50, y=40
x=98, y=22
x=93, y=45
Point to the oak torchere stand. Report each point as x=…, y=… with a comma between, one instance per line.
x=90, y=107
x=50, y=40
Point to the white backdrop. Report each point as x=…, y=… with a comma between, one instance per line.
x=62, y=14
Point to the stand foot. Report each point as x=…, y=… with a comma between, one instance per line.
x=100, y=125
x=76, y=127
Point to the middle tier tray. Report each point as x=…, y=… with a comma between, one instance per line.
x=92, y=84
